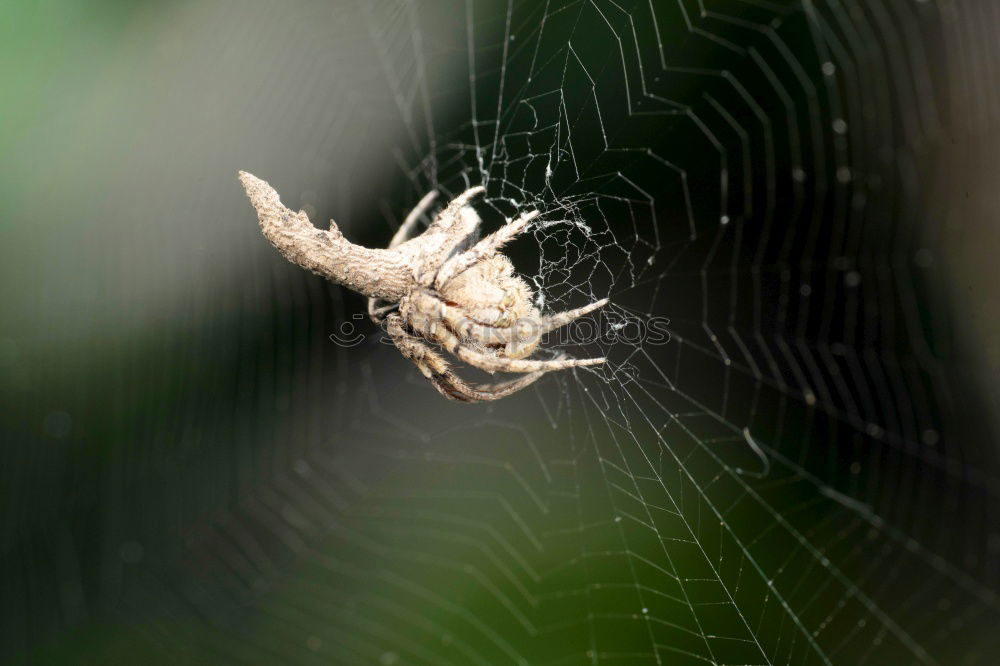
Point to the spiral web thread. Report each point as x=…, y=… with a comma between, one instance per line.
x=775, y=483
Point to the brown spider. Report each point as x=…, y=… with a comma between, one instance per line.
x=437, y=287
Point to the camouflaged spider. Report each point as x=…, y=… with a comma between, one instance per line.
x=437, y=287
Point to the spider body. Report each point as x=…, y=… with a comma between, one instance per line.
x=486, y=305
x=436, y=288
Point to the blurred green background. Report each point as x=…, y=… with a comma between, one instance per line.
x=193, y=472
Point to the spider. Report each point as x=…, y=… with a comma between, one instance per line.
x=436, y=288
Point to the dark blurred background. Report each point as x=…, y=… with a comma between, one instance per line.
x=193, y=471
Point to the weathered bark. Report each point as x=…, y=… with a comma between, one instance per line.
x=375, y=273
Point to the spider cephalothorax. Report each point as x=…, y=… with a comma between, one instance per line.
x=437, y=287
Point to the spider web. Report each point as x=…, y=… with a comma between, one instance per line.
x=802, y=471
x=770, y=486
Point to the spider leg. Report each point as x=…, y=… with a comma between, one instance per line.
x=447, y=383
x=466, y=196
x=454, y=388
x=405, y=231
x=376, y=312
x=491, y=363
x=450, y=230
x=443, y=222
x=531, y=332
x=487, y=246
x=522, y=333
x=559, y=319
